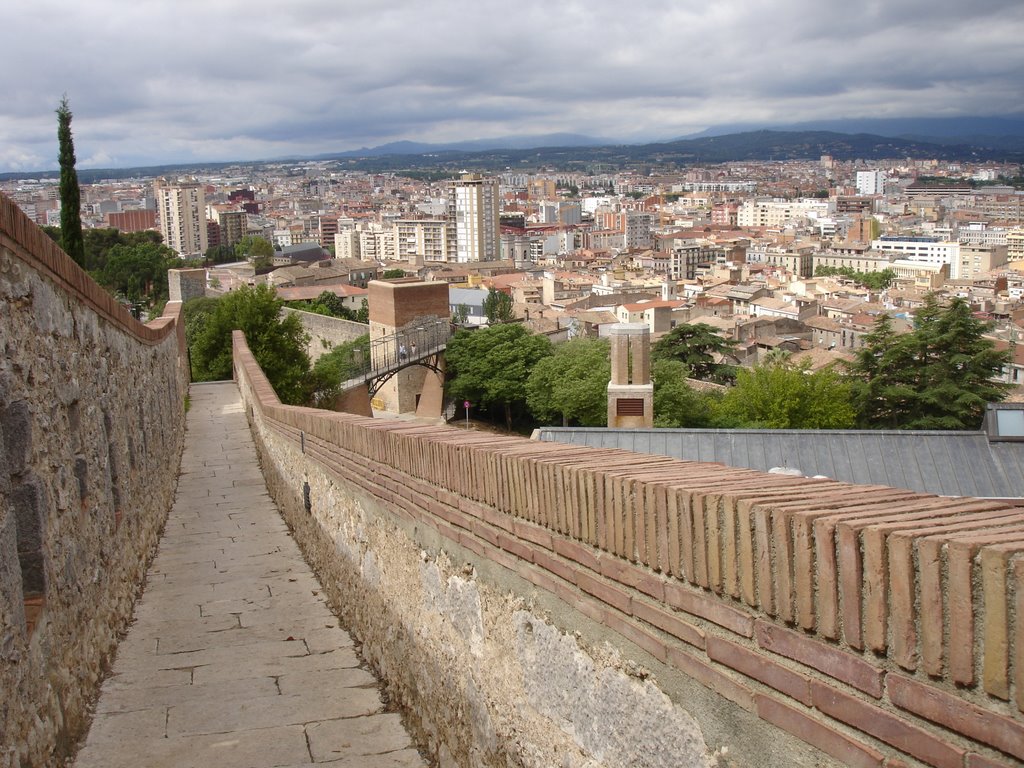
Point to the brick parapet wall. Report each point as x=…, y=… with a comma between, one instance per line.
x=875, y=624
x=35, y=248
x=91, y=429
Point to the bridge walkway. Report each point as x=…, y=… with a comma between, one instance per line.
x=234, y=658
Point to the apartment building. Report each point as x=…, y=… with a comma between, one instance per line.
x=474, y=229
x=870, y=183
x=778, y=213
x=421, y=240
x=976, y=260
x=233, y=226
x=182, y=212
x=921, y=250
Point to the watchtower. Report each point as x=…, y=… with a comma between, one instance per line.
x=404, y=318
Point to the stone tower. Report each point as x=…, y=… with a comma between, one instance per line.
x=402, y=313
x=630, y=392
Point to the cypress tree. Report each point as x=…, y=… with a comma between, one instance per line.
x=71, y=239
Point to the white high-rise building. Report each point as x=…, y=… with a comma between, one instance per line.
x=182, y=212
x=474, y=231
x=870, y=183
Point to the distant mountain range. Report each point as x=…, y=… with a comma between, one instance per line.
x=715, y=148
x=998, y=132
x=952, y=139
x=476, y=145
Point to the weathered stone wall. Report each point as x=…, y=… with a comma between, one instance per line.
x=327, y=332
x=542, y=604
x=185, y=284
x=91, y=430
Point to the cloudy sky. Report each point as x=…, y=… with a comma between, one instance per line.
x=153, y=81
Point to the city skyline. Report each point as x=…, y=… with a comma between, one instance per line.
x=155, y=83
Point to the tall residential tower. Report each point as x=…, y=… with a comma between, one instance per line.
x=474, y=232
x=182, y=212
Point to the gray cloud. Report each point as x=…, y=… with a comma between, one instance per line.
x=156, y=81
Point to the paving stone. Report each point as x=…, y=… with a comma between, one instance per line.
x=233, y=658
x=403, y=758
x=140, y=695
x=353, y=677
x=246, y=749
x=255, y=666
x=337, y=739
x=211, y=716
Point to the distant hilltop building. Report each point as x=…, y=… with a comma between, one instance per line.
x=181, y=209
x=474, y=232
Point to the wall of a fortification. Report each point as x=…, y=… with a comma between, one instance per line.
x=327, y=332
x=544, y=594
x=91, y=430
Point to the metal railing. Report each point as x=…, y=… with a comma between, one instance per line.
x=413, y=345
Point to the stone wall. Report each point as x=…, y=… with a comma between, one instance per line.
x=186, y=284
x=327, y=332
x=541, y=604
x=91, y=430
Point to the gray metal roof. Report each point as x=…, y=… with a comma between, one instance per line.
x=943, y=463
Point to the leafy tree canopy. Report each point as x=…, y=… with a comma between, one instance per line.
x=572, y=384
x=498, y=307
x=330, y=304
x=787, y=397
x=342, y=363
x=676, y=403
x=138, y=272
x=254, y=247
x=220, y=254
x=390, y=274
x=99, y=242
x=278, y=343
x=697, y=346
x=490, y=366
x=460, y=315
x=941, y=375
x=876, y=281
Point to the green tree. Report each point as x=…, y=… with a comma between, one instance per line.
x=342, y=363
x=882, y=377
x=876, y=281
x=498, y=307
x=196, y=312
x=777, y=356
x=330, y=303
x=939, y=376
x=697, y=346
x=219, y=254
x=460, y=315
x=70, y=194
x=138, y=272
x=391, y=274
x=676, y=403
x=278, y=343
x=254, y=247
x=490, y=366
x=787, y=397
x=572, y=384
x=363, y=313
x=100, y=241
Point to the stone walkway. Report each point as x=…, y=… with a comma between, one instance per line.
x=234, y=658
